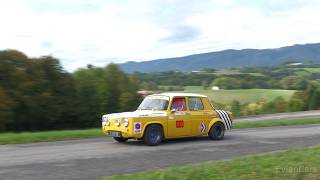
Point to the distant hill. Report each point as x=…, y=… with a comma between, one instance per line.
x=230, y=58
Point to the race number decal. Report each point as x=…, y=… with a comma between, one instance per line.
x=179, y=124
x=137, y=127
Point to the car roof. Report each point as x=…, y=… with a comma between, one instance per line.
x=179, y=94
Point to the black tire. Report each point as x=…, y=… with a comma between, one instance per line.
x=217, y=131
x=153, y=135
x=120, y=139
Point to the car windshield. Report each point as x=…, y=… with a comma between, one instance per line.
x=154, y=104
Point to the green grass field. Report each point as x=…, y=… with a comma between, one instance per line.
x=28, y=137
x=241, y=95
x=312, y=70
x=292, y=164
x=306, y=71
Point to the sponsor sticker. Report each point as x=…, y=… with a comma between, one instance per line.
x=137, y=127
x=179, y=124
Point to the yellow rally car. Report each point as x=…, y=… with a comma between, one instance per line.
x=168, y=115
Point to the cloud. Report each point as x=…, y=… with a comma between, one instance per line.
x=46, y=44
x=182, y=34
x=99, y=32
x=67, y=7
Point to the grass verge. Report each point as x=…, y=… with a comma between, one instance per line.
x=292, y=164
x=28, y=137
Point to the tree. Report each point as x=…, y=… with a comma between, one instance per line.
x=311, y=94
x=275, y=106
x=296, y=102
x=226, y=83
x=6, y=109
x=104, y=90
x=293, y=82
x=315, y=99
x=36, y=93
x=236, y=108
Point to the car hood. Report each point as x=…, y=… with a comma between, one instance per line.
x=137, y=113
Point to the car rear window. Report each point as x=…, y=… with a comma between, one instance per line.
x=195, y=103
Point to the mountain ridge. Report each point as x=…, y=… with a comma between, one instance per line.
x=229, y=58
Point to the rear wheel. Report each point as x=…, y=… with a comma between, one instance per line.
x=120, y=139
x=153, y=135
x=217, y=131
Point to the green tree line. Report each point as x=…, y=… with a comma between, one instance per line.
x=37, y=94
x=282, y=77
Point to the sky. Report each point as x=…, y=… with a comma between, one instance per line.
x=98, y=32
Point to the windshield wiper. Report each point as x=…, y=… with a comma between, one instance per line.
x=144, y=109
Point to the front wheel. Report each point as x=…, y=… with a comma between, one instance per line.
x=153, y=135
x=120, y=139
x=217, y=131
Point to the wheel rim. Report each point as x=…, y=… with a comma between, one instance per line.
x=217, y=131
x=154, y=135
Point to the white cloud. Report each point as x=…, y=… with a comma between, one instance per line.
x=98, y=32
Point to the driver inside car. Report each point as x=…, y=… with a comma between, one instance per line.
x=178, y=104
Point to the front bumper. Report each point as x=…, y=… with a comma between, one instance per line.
x=125, y=132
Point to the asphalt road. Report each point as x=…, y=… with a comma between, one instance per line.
x=92, y=158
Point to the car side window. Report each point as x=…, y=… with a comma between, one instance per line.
x=195, y=104
x=178, y=104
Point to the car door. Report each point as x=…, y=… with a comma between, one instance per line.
x=179, y=124
x=200, y=116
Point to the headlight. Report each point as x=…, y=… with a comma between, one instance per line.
x=108, y=121
x=105, y=121
x=117, y=122
x=126, y=122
